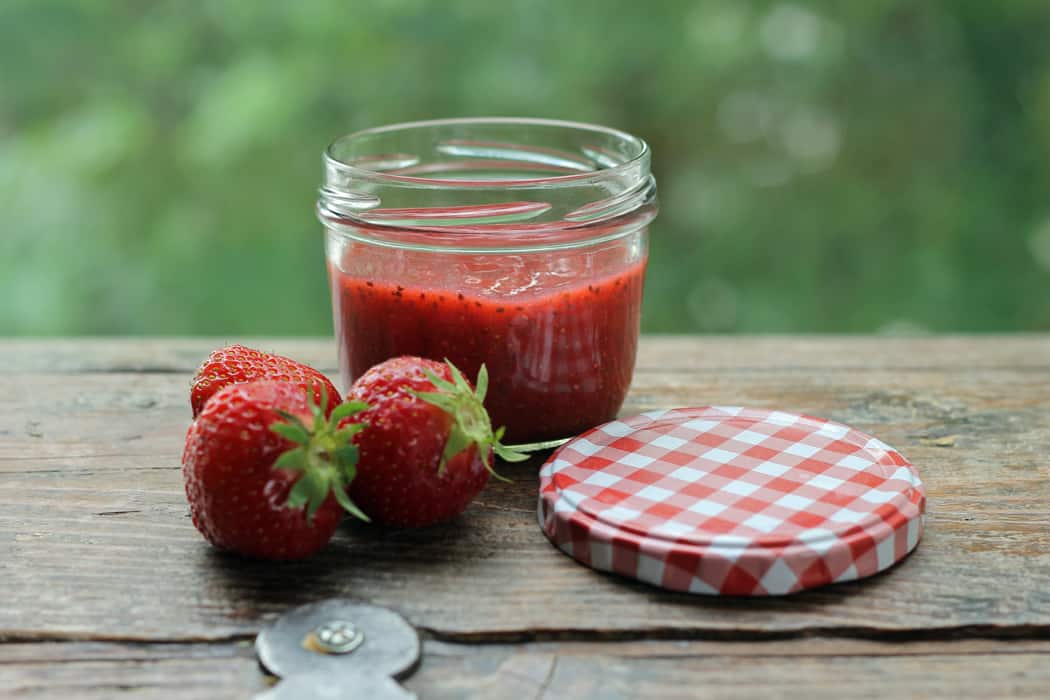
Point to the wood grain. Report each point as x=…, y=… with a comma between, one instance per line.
x=817, y=668
x=707, y=353
x=98, y=551
x=739, y=670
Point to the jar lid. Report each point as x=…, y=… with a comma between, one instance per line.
x=731, y=501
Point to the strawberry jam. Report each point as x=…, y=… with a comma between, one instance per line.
x=519, y=244
x=560, y=349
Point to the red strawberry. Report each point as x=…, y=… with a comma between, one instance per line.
x=237, y=363
x=427, y=450
x=261, y=482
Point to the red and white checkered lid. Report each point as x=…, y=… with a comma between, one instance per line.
x=731, y=501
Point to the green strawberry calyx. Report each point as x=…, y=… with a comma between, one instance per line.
x=471, y=424
x=324, y=454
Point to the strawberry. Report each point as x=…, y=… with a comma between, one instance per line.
x=427, y=450
x=266, y=472
x=237, y=363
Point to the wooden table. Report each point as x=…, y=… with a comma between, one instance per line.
x=108, y=590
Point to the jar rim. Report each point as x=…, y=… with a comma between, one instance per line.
x=639, y=157
x=590, y=181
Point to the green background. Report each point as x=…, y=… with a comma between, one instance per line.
x=868, y=166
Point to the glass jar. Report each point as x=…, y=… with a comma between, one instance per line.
x=517, y=243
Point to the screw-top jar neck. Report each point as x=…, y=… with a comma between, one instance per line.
x=527, y=181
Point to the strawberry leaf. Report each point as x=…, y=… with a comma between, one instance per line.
x=348, y=505
x=317, y=409
x=457, y=377
x=483, y=384
x=345, y=410
x=444, y=401
x=292, y=459
x=325, y=455
x=471, y=425
x=348, y=456
x=299, y=495
x=439, y=382
x=456, y=443
x=344, y=434
x=296, y=433
x=316, y=487
x=507, y=454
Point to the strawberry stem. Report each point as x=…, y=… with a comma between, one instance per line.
x=471, y=424
x=324, y=454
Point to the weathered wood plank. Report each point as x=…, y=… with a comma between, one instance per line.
x=100, y=545
x=818, y=668
x=802, y=668
x=104, y=671
x=689, y=353
x=741, y=677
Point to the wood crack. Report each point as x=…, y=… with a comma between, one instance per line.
x=47, y=637
x=947, y=633
x=545, y=686
x=506, y=509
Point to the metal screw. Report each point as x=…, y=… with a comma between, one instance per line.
x=319, y=638
x=334, y=637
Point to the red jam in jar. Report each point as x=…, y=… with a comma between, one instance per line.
x=517, y=244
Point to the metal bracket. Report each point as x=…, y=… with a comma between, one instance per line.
x=337, y=648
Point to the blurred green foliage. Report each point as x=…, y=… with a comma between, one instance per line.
x=852, y=166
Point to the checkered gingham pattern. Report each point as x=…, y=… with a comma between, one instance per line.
x=731, y=501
